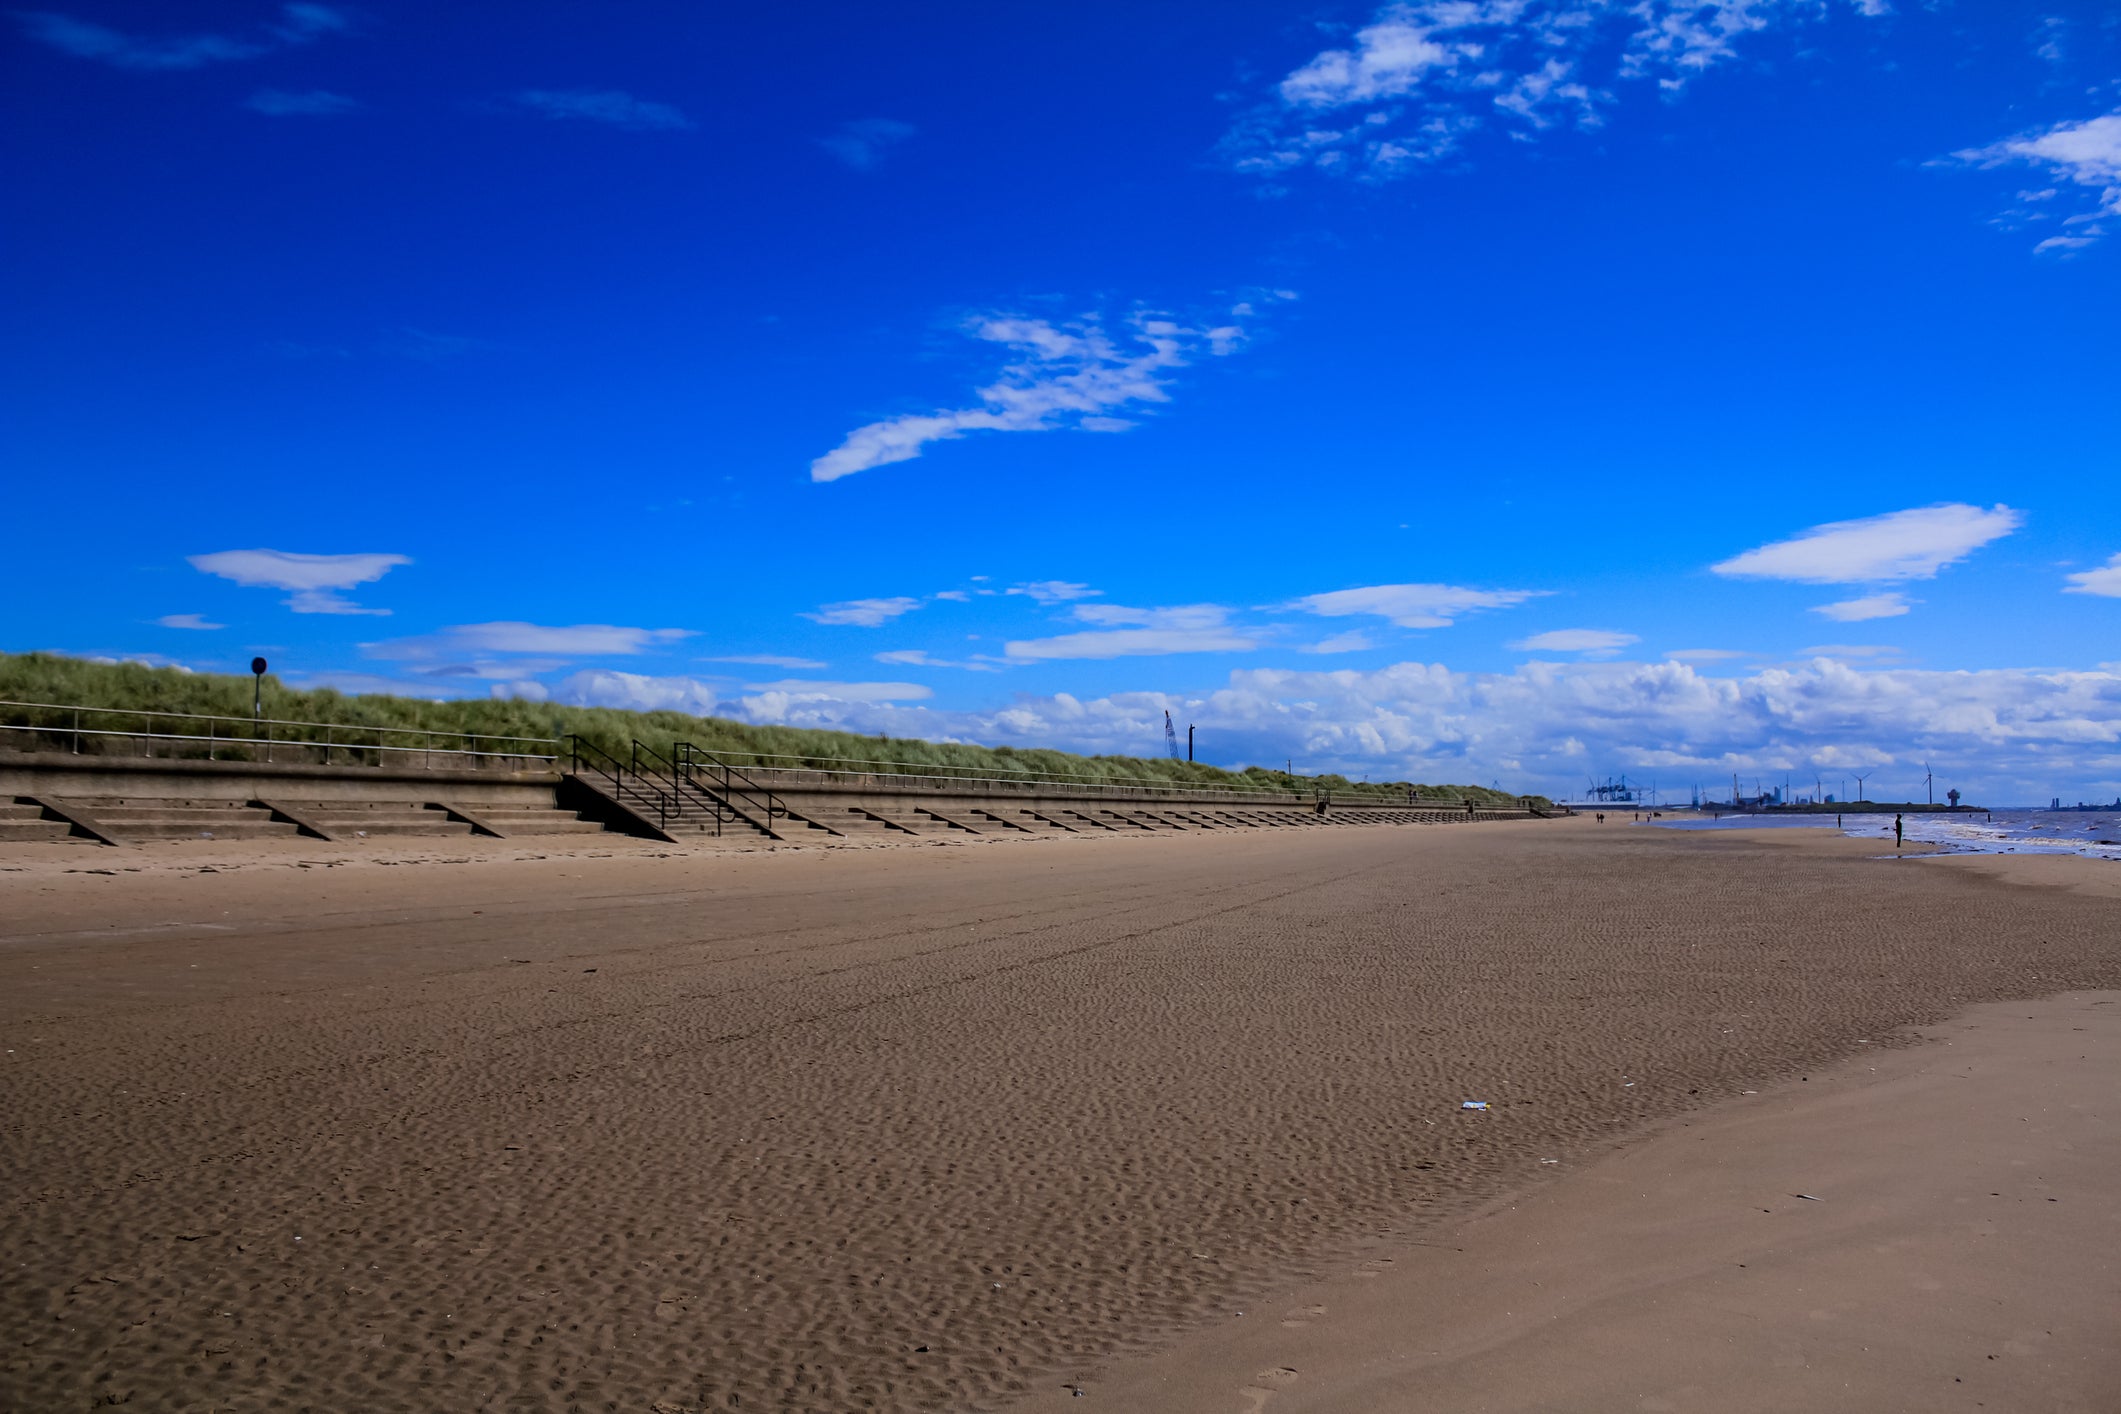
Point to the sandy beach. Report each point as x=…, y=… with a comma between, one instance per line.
x=973, y=1127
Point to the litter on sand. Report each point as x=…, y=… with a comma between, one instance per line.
x=1808, y=1198
x=1472, y=1104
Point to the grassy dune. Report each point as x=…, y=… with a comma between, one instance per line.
x=132, y=687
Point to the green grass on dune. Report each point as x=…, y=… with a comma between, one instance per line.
x=133, y=687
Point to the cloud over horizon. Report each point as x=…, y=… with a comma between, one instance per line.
x=1547, y=725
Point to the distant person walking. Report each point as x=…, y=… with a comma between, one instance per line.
x=1899, y=830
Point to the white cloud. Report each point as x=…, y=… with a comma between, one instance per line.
x=186, y=621
x=316, y=103
x=1598, y=642
x=769, y=660
x=920, y=658
x=1411, y=605
x=2105, y=582
x=607, y=106
x=1055, y=591
x=1409, y=87
x=863, y=143
x=2009, y=734
x=800, y=688
x=571, y=641
x=1075, y=374
x=1870, y=606
x=313, y=579
x=1704, y=655
x=864, y=613
x=1124, y=632
x=1852, y=650
x=298, y=24
x=639, y=692
x=1353, y=641
x=2086, y=153
x=1903, y=545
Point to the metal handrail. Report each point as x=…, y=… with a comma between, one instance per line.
x=257, y=732
x=750, y=791
x=922, y=768
x=641, y=792
x=77, y=710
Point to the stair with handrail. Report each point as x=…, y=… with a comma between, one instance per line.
x=690, y=793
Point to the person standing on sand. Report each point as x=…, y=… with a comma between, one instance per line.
x=1899, y=830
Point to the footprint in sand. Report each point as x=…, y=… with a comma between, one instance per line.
x=1264, y=1386
x=1375, y=1267
x=1302, y=1315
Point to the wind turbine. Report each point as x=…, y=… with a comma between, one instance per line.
x=1860, y=788
x=1929, y=782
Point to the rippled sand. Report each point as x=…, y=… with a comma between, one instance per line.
x=897, y=1129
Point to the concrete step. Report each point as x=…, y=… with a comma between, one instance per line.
x=435, y=826
x=262, y=828
x=38, y=831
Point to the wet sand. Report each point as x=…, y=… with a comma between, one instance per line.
x=897, y=1129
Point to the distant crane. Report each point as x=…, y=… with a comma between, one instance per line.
x=1170, y=736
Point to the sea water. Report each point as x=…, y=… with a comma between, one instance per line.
x=2095, y=834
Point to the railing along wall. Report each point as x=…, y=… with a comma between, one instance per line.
x=123, y=731
x=118, y=731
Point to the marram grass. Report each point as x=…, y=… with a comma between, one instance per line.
x=134, y=687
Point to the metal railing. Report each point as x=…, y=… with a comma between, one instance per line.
x=985, y=775
x=107, y=731
x=694, y=762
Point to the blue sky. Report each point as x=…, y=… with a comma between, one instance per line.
x=1495, y=390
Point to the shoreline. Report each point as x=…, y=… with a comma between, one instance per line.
x=1927, y=1228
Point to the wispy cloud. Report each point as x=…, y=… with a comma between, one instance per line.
x=298, y=24
x=1704, y=655
x=769, y=660
x=863, y=613
x=2105, y=582
x=1075, y=374
x=803, y=688
x=315, y=103
x=1124, y=632
x=187, y=621
x=1870, y=606
x=1590, y=642
x=1353, y=641
x=920, y=658
x=314, y=580
x=863, y=143
x=2086, y=154
x=1411, y=605
x=1055, y=591
x=607, y=106
x=1902, y=545
x=1405, y=90
x=510, y=636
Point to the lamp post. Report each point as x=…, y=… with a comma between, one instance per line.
x=257, y=694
